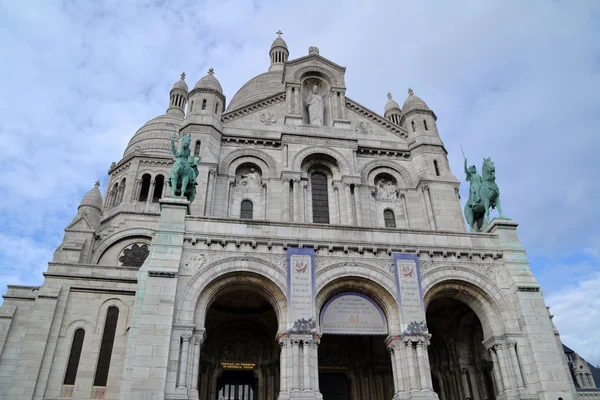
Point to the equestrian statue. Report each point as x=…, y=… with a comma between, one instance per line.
x=184, y=172
x=484, y=195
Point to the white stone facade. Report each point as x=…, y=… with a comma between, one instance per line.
x=265, y=150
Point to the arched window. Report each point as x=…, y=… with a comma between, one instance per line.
x=115, y=196
x=106, y=347
x=425, y=124
x=216, y=107
x=388, y=217
x=74, y=357
x=145, y=188
x=204, y=104
x=246, y=209
x=437, y=169
x=413, y=125
x=192, y=106
x=159, y=182
x=197, y=148
x=320, y=199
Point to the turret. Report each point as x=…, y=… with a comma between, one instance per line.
x=91, y=206
x=279, y=53
x=392, y=110
x=178, y=97
x=207, y=102
x=417, y=118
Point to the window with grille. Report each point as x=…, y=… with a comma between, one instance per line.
x=390, y=220
x=246, y=209
x=74, y=357
x=320, y=199
x=106, y=347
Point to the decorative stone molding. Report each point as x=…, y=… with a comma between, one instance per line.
x=412, y=112
x=489, y=272
x=201, y=129
x=273, y=169
x=374, y=152
x=376, y=118
x=199, y=261
x=363, y=127
x=250, y=142
x=318, y=131
x=268, y=118
x=528, y=288
x=162, y=274
x=319, y=142
x=259, y=105
x=209, y=91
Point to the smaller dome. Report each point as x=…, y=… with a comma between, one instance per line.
x=413, y=103
x=209, y=82
x=180, y=84
x=279, y=42
x=93, y=198
x=391, y=104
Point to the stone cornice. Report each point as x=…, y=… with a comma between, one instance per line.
x=377, y=152
x=253, y=107
x=203, y=129
x=412, y=112
x=210, y=91
x=250, y=141
x=293, y=139
x=376, y=118
x=315, y=56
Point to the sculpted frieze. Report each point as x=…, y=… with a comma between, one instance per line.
x=315, y=130
x=196, y=262
x=492, y=273
x=324, y=264
x=319, y=142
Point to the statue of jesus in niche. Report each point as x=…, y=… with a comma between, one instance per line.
x=315, y=107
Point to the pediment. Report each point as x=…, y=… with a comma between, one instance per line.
x=314, y=63
x=267, y=114
x=80, y=223
x=371, y=126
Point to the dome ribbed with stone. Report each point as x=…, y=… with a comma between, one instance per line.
x=93, y=198
x=154, y=138
x=180, y=84
x=413, y=103
x=258, y=88
x=209, y=82
x=279, y=42
x=391, y=104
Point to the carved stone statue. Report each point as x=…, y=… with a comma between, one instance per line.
x=386, y=190
x=484, y=195
x=314, y=103
x=249, y=181
x=184, y=172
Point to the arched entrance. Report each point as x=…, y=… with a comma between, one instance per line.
x=460, y=365
x=354, y=363
x=240, y=357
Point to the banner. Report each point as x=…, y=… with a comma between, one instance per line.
x=410, y=294
x=301, y=290
x=353, y=314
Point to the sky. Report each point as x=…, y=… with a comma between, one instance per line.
x=517, y=81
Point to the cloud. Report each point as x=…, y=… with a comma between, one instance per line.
x=513, y=80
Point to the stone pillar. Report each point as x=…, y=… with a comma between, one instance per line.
x=283, y=366
x=412, y=368
x=515, y=364
x=357, y=206
x=298, y=206
x=336, y=198
x=295, y=364
x=285, y=155
x=151, y=191
x=348, y=198
x=297, y=102
x=315, y=365
x=342, y=100
x=465, y=382
x=423, y=366
x=405, y=209
x=504, y=366
x=289, y=100
x=395, y=370
x=286, y=199
x=442, y=392
x=136, y=190
x=208, y=211
x=398, y=349
x=307, y=364
x=373, y=208
x=196, y=366
x=308, y=217
x=183, y=361
x=335, y=112
x=496, y=371
x=428, y=208
x=473, y=380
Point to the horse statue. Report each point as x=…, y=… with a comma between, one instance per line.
x=184, y=172
x=484, y=195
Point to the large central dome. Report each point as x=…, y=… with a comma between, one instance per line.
x=258, y=88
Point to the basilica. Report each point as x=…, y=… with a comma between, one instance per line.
x=322, y=253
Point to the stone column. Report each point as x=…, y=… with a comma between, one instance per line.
x=405, y=208
x=151, y=191
x=306, y=364
x=428, y=208
x=295, y=364
x=183, y=361
x=283, y=366
x=359, y=219
x=397, y=349
x=348, y=198
x=335, y=112
x=373, y=208
x=395, y=370
x=298, y=206
x=496, y=371
x=412, y=368
x=136, y=190
x=297, y=101
x=285, y=155
x=315, y=365
x=515, y=364
x=208, y=211
x=196, y=366
x=265, y=201
x=465, y=382
x=308, y=217
x=289, y=100
x=504, y=366
x=423, y=366
x=286, y=199
x=473, y=380
x=342, y=100
x=440, y=380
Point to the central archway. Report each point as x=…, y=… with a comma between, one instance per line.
x=240, y=358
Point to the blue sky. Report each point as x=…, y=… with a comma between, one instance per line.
x=516, y=81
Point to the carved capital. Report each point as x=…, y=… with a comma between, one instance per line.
x=186, y=336
x=425, y=188
x=198, y=340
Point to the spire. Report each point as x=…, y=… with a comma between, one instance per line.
x=279, y=53
x=178, y=97
x=93, y=198
x=392, y=109
x=413, y=102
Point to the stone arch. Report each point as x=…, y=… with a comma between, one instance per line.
x=360, y=279
x=301, y=72
x=341, y=160
x=269, y=165
x=491, y=309
x=68, y=330
x=108, y=242
x=212, y=278
x=401, y=173
x=123, y=315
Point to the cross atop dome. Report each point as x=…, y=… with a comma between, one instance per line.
x=211, y=71
x=410, y=91
x=279, y=33
x=183, y=75
x=97, y=184
x=389, y=95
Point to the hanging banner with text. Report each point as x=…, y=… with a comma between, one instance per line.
x=301, y=290
x=352, y=314
x=410, y=294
